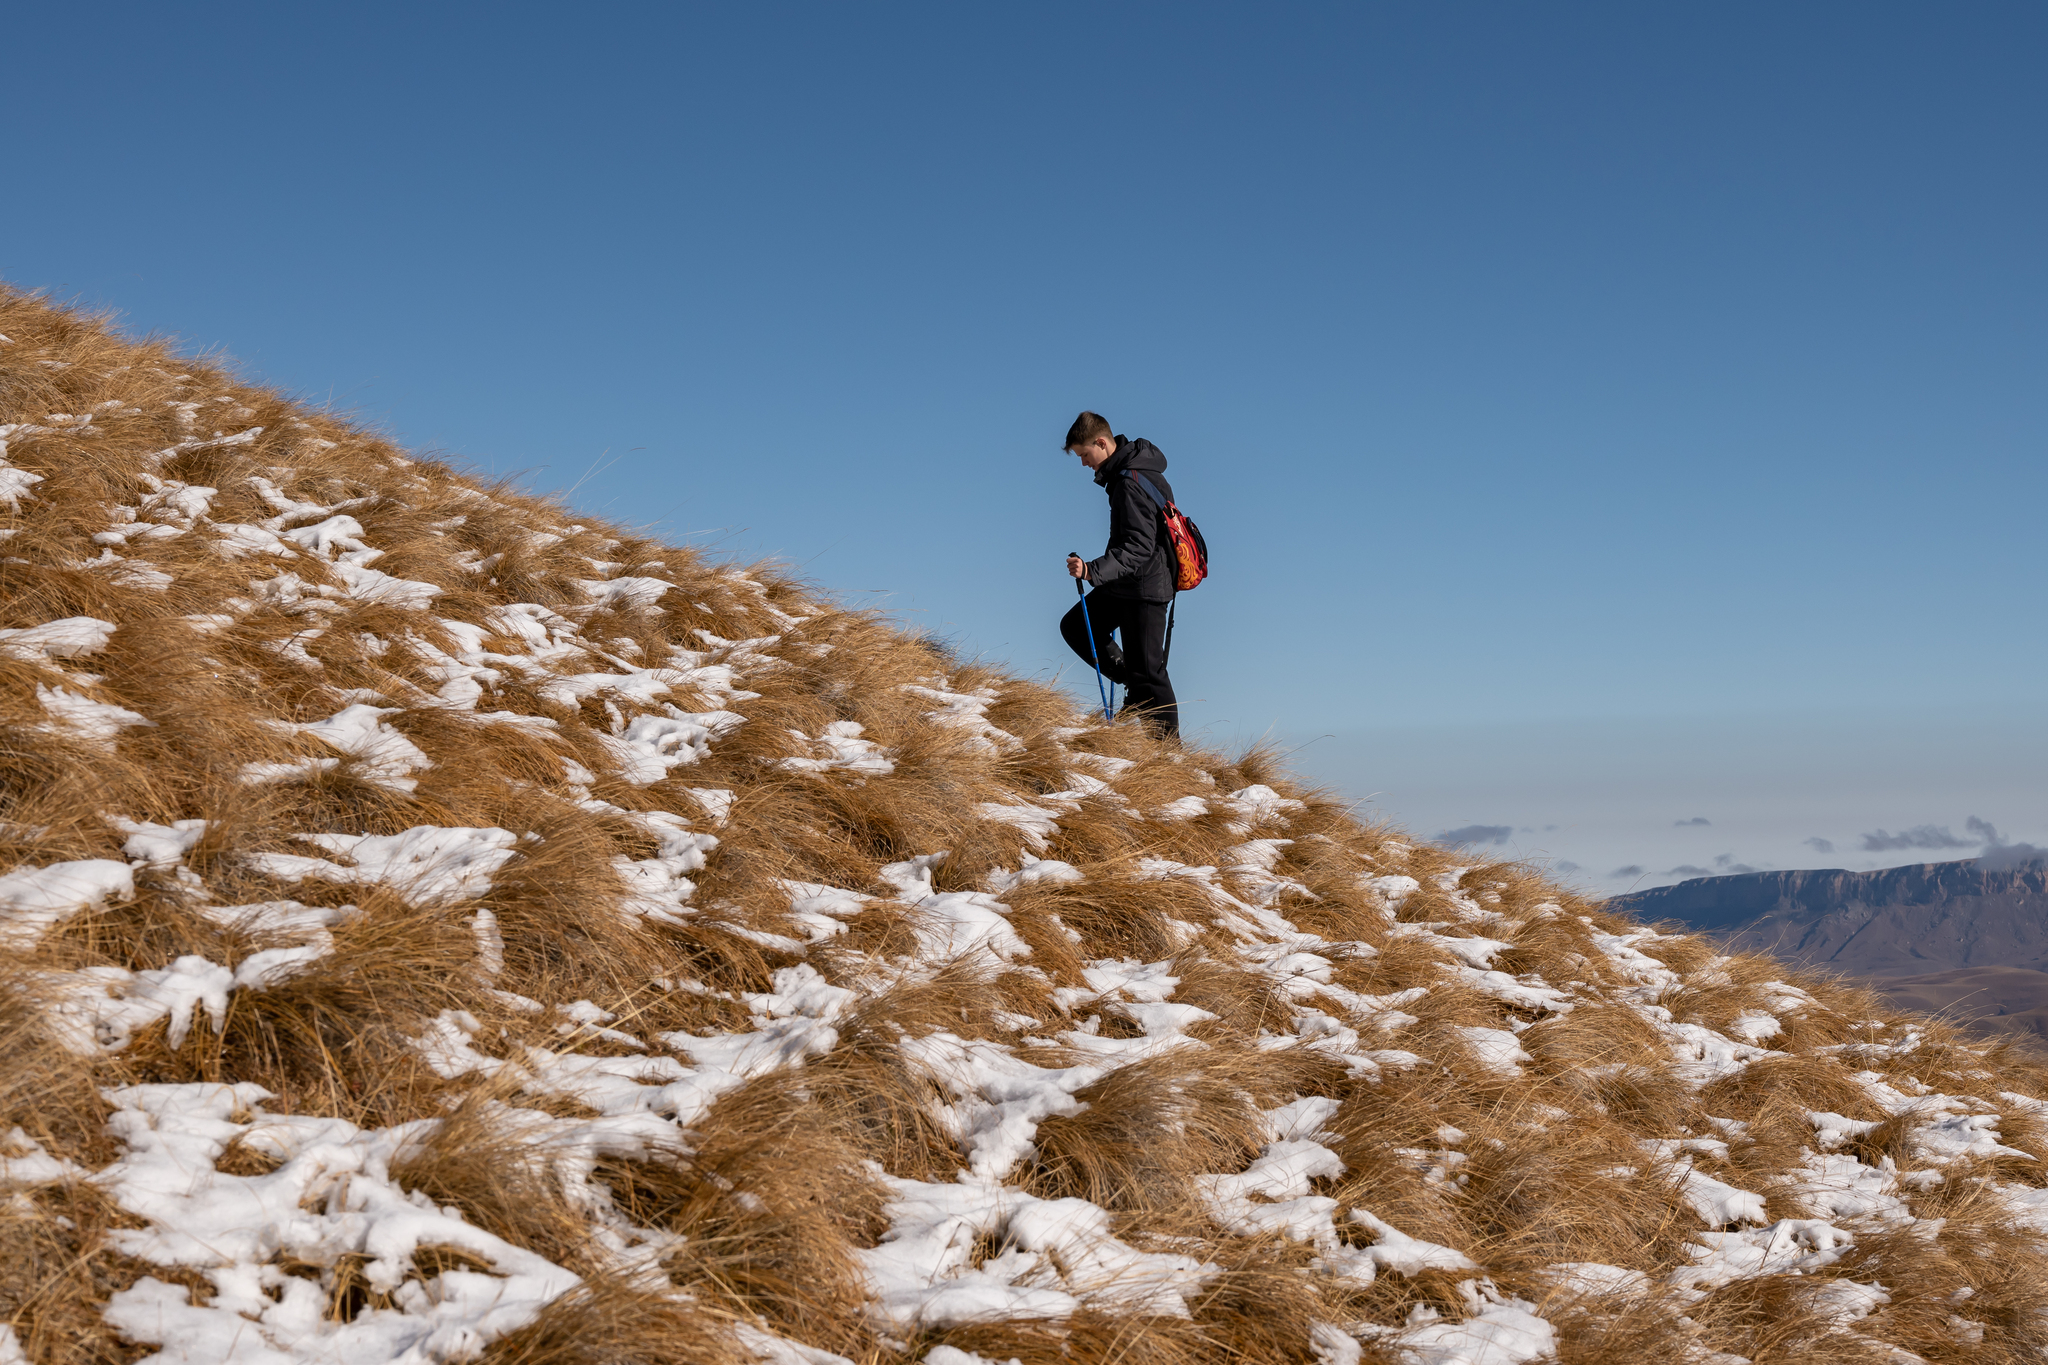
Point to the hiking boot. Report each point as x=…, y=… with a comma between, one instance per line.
x=1160, y=721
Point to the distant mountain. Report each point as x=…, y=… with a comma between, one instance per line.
x=1960, y=938
x=1901, y=921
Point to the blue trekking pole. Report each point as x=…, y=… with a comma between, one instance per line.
x=1088, y=626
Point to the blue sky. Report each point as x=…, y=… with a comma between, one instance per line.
x=1602, y=415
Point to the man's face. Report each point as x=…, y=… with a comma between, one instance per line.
x=1095, y=454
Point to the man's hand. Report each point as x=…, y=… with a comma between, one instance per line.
x=1077, y=567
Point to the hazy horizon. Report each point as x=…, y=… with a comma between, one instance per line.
x=1623, y=804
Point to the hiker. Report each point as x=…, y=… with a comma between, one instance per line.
x=1132, y=584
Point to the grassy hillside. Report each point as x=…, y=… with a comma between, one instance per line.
x=436, y=928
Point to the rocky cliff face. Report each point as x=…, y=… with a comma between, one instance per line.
x=1901, y=921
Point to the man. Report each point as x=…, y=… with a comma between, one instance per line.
x=1133, y=580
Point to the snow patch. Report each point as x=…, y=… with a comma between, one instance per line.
x=33, y=899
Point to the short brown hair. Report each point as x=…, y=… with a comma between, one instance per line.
x=1086, y=428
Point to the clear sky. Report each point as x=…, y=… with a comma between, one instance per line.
x=1603, y=415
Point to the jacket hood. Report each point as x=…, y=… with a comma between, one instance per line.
x=1135, y=454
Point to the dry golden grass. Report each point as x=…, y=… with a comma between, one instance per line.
x=1147, y=1125
x=58, y=1274
x=772, y=1193
x=606, y=1321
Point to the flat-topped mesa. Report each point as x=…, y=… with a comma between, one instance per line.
x=434, y=927
x=1892, y=921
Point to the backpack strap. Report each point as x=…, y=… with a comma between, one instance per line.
x=1151, y=488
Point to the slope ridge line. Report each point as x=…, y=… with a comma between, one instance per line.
x=439, y=929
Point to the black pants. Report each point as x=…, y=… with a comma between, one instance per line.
x=1140, y=666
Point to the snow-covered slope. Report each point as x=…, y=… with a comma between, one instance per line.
x=434, y=930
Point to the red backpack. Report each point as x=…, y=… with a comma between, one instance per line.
x=1190, y=554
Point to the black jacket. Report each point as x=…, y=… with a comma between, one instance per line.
x=1139, y=561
